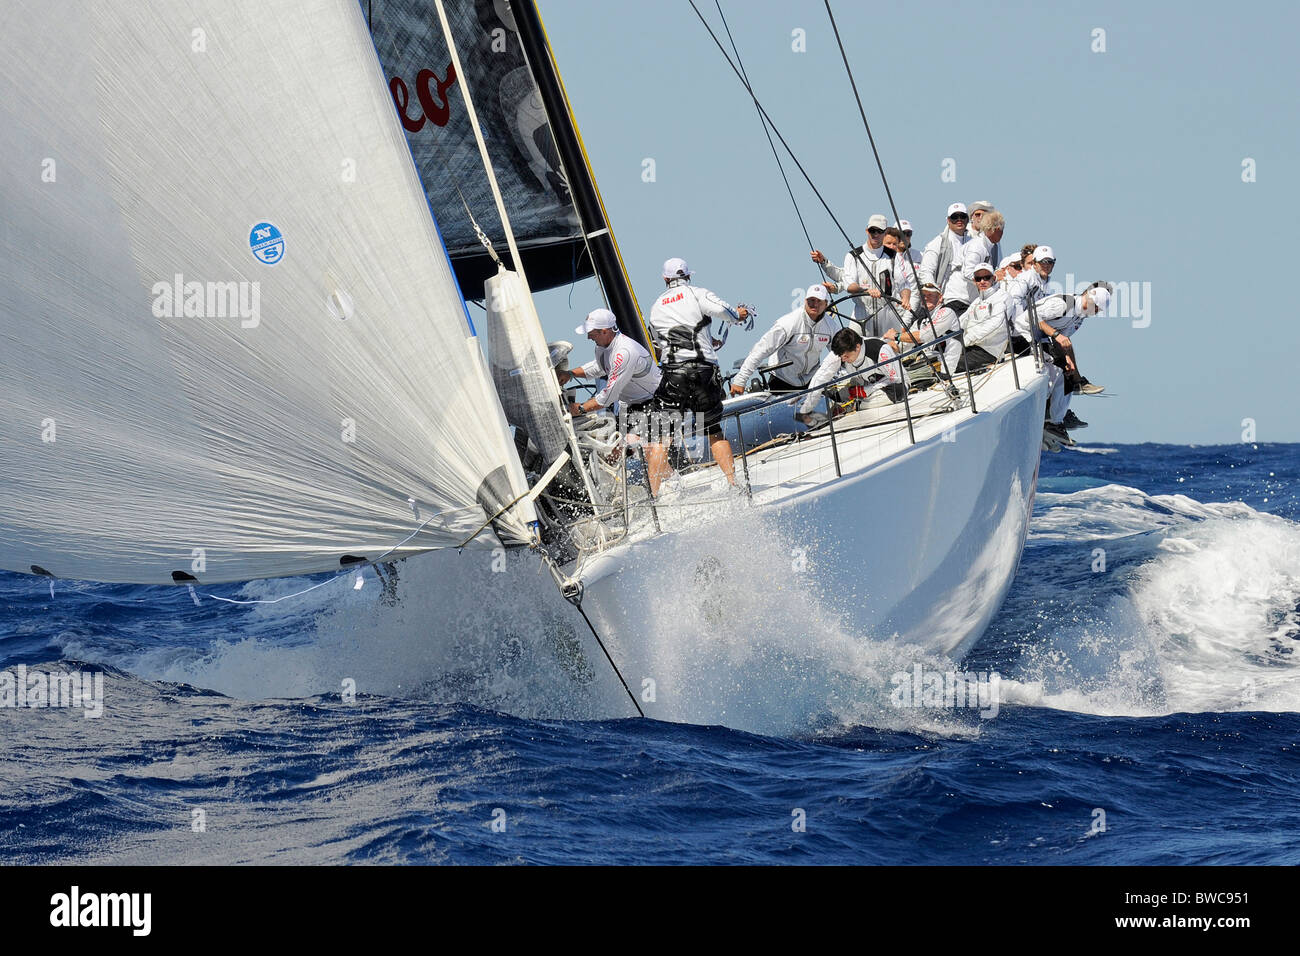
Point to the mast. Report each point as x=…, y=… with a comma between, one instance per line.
x=605, y=256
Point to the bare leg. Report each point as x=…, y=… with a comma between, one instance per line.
x=722, y=455
x=657, y=465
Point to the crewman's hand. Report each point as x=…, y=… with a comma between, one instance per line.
x=563, y=375
x=575, y=409
x=1064, y=342
x=875, y=293
x=717, y=343
x=818, y=258
x=1000, y=274
x=737, y=389
x=742, y=312
x=1069, y=364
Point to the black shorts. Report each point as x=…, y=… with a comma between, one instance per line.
x=692, y=387
x=777, y=384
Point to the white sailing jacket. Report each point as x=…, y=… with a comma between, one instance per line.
x=1026, y=287
x=1061, y=312
x=832, y=367
x=985, y=322
x=693, y=310
x=875, y=261
x=942, y=266
x=796, y=338
x=630, y=373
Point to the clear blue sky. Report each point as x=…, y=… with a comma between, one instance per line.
x=1128, y=162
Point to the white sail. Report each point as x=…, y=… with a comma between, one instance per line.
x=169, y=400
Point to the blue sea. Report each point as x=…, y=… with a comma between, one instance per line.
x=1149, y=696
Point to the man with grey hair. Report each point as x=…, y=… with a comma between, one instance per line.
x=984, y=250
x=978, y=210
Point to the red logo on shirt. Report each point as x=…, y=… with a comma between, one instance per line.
x=618, y=364
x=670, y=299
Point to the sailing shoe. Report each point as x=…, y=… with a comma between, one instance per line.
x=1057, y=431
x=1073, y=421
x=1091, y=389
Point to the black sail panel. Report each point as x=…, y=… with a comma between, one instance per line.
x=417, y=66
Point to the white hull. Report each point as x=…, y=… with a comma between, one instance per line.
x=744, y=602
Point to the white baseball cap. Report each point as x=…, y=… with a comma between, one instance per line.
x=956, y=208
x=676, y=269
x=1008, y=260
x=1100, y=297
x=1044, y=252
x=817, y=291
x=903, y=224
x=985, y=267
x=597, y=319
x=877, y=222
x=983, y=204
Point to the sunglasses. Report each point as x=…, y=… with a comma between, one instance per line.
x=959, y=217
x=1046, y=262
x=983, y=278
x=875, y=232
x=907, y=232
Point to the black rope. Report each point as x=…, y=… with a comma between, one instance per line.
x=795, y=159
x=744, y=74
x=577, y=602
x=888, y=194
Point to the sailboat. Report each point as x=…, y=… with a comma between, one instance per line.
x=235, y=344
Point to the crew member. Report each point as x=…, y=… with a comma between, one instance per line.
x=681, y=324
x=797, y=339
x=942, y=260
x=849, y=354
x=862, y=277
x=629, y=372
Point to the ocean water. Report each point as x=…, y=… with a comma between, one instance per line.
x=1147, y=680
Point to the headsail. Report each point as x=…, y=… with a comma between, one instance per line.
x=231, y=344
x=418, y=68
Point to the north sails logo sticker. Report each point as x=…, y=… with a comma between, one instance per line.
x=267, y=243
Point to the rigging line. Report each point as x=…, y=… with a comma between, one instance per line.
x=771, y=145
x=888, y=194
x=871, y=280
x=875, y=152
x=768, y=119
x=630, y=696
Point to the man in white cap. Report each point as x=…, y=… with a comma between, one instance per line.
x=985, y=322
x=629, y=372
x=903, y=272
x=798, y=339
x=913, y=253
x=942, y=259
x=1059, y=317
x=940, y=319
x=681, y=324
x=1029, y=287
x=861, y=273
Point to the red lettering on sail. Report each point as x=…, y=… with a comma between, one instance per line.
x=427, y=86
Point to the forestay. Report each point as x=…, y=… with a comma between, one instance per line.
x=231, y=345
